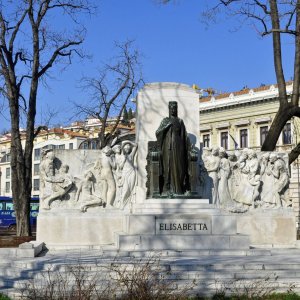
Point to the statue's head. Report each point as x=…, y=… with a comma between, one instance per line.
x=251, y=153
x=222, y=152
x=117, y=149
x=127, y=148
x=65, y=168
x=50, y=155
x=215, y=151
x=88, y=175
x=173, y=110
x=273, y=157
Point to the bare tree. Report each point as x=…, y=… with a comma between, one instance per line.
x=112, y=90
x=30, y=45
x=270, y=17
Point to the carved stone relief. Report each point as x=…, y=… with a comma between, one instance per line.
x=244, y=179
x=80, y=179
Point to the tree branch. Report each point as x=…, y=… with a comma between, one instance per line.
x=59, y=52
x=39, y=129
x=277, y=53
x=16, y=30
x=296, y=83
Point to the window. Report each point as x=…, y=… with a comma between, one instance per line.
x=206, y=140
x=36, y=169
x=85, y=145
x=71, y=146
x=243, y=138
x=2, y=205
x=36, y=184
x=9, y=206
x=94, y=144
x=34, y=206
x=5, y=158
x=7, y=187
x=7, y=173
x=61, y=147
x=37, y=154
x=224, y=140
x=263, y=133
x=286, y=134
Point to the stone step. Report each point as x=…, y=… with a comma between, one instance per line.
x=114, y=253
x=211, y=284
x=190, y=275
x=172, y=274
x=175, y=201
x=282, y=275
x=160, y=206
x=286, y=251
x=174, y=210
x=174, y=266
x=188, y=253
x=182, y=242
x=208, y=277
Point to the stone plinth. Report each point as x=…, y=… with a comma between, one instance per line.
x=76, y=229
x=270, y=228
x=182, y=242
x=175, y=225
x=152, y=107
x=167, y=206
x=167, y=224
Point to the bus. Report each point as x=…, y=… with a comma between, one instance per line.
x=7, y=213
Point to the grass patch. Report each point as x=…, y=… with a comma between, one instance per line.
x=274, y=296
x=286, y=296
x=3, y=297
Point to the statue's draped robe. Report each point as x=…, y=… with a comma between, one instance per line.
x=172, y=142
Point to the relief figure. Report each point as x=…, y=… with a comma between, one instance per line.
x=105, y=178
x=128, y=171
x=86, y=192
x=62, y=182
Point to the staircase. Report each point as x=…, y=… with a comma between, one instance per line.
x=206, y=271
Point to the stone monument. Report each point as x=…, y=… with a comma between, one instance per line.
x=157, y=193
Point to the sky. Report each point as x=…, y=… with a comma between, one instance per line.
x=176, y=47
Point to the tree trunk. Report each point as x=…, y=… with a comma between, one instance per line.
x=21, y=192
x=281, y=117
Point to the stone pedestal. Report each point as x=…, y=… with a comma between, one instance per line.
x=166, y=224
x=60, y=229
x=269, y=228
x=181, y=224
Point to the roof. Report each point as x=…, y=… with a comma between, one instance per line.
x=242, y=92
x=61, y=131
